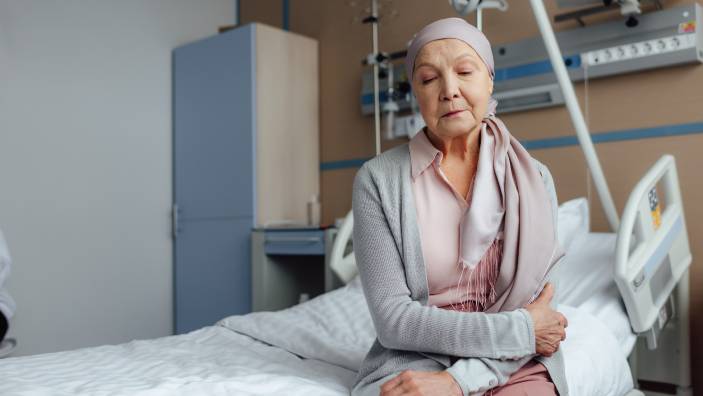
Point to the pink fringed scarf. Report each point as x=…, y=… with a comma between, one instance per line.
x=504, y=273
x=509, y=193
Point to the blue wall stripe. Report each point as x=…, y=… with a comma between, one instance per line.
x=286, y=14
x=532, y=69
x=617, y=136
x=565, y=141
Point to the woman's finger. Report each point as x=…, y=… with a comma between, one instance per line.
x=390, y=384
x=400, y=390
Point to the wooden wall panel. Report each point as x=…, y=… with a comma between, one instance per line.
x=269, y=12
x=337, y=193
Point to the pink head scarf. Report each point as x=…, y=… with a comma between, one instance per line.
x=508, y=191
x=455, y=28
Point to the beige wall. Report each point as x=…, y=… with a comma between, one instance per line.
x=654, y=98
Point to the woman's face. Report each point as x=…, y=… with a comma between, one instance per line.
x=453, y=87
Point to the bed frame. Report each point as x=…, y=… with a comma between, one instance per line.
x=652, y=259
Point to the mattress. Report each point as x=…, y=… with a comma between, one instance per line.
x=316, y=347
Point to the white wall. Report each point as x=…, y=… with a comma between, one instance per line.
x=85, y=164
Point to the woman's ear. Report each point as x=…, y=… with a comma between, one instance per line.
x=490, y=87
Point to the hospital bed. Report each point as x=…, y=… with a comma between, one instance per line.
x=315, y=348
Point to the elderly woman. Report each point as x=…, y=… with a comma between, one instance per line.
x=455, y=240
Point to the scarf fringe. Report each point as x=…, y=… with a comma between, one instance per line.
x=479, y=289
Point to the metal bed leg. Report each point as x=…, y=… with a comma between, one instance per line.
x=684, y=387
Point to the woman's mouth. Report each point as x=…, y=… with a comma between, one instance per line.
x=452, y=114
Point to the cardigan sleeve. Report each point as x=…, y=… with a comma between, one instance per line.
x=404, y=324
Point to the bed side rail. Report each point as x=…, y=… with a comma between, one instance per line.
x=652, y=252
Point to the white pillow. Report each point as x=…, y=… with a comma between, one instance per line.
x=594, y=363
x=586, y=282
x=573, y=220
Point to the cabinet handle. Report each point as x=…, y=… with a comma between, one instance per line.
x=293, y=239
x=174, y=221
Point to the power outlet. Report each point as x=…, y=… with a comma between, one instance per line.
x=639, y=49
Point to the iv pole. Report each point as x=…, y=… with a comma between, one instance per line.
x=376, y=88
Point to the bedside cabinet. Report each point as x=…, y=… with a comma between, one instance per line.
x=290, y=265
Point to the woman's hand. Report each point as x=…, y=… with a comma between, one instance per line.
x=421, y=383
x=549, y=324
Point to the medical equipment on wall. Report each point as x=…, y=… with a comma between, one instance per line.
x=628, y=8
x=524, y=77
x=466, y=7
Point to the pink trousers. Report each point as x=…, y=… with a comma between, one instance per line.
x=531, y=380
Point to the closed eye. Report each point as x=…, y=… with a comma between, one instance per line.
x=428, y=80
x=466, y=73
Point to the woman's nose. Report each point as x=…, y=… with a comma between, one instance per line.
x=450, y=88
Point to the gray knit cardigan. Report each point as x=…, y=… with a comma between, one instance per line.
x=411, y=334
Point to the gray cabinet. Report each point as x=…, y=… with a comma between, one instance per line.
x=287, y=264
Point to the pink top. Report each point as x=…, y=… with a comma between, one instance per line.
x=440, y=210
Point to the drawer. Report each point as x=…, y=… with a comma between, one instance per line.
x=295, y=242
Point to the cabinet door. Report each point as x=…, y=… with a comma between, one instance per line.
x=213, y=178
x=213, y=112
x=213, y=271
